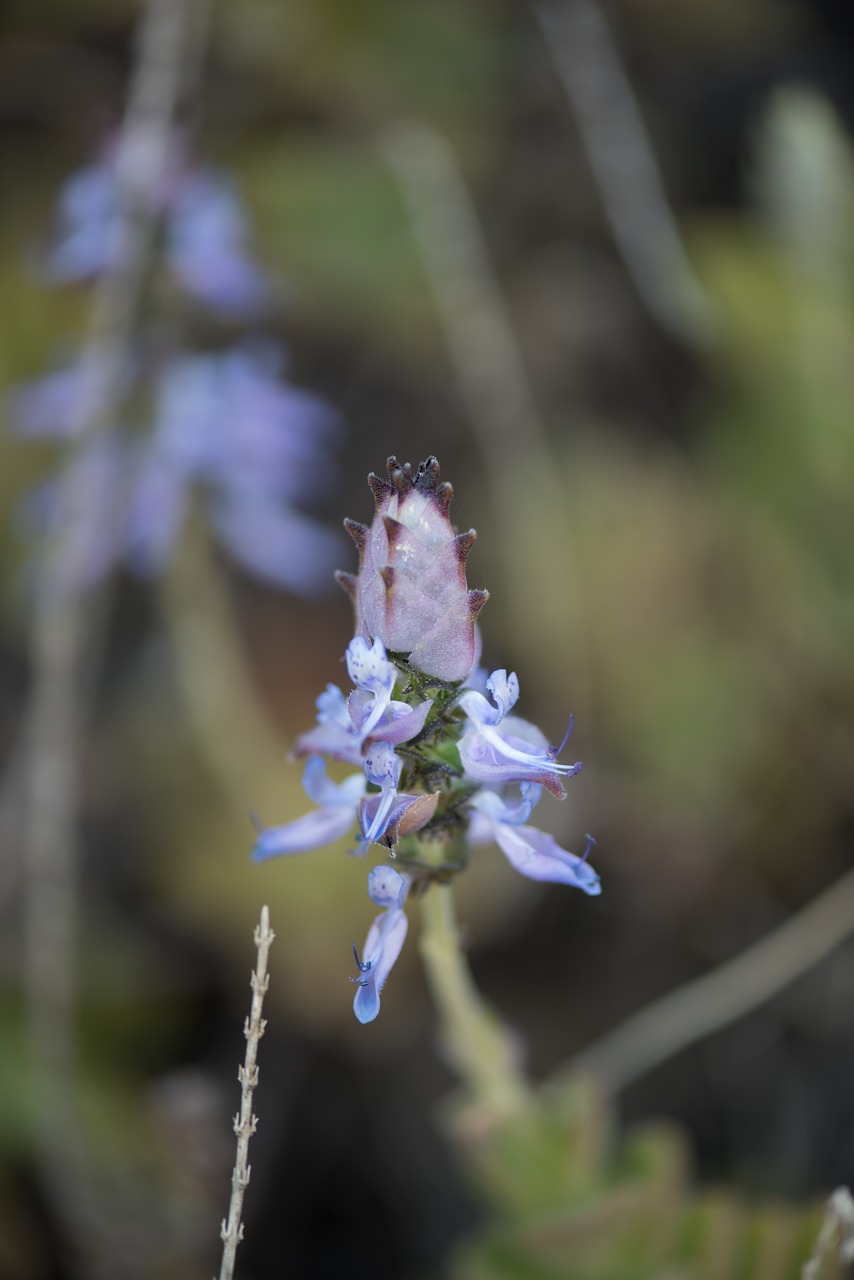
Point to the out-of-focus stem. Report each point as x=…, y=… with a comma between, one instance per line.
x=477, y=1045
x=245, y=1122
x=64, y=627
x=705, y=1005
x=491, y=374
x=492, y=378
x=209, y=663
x=617, y=145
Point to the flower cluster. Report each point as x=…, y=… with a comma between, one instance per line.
x=442, y=763
x=223, y=425
x=204, y=227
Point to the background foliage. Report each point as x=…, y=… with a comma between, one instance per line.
x=689, y=597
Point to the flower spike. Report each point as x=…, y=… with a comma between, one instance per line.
x=438, y=774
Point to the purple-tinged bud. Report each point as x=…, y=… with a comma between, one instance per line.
x=411, y=590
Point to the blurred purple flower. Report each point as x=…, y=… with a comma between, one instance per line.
x=89, y=232
x=227, y=426
x=206, y=245
x=205, y=234
x=75, y=515
x=387, y=888
x=59, y=405
x=253, y=444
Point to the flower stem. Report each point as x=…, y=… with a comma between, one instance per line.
x=478, y=1046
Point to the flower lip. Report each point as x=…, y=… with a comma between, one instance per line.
x=338, y=805
x=387, y=888
x=369, y=715
x=498, y=748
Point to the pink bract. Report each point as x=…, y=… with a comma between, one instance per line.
x=411, y=589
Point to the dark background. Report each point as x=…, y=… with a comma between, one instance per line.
x=690, y=601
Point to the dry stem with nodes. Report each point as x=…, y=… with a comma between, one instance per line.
x=245, y=1123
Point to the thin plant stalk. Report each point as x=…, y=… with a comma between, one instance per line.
x=617, y=144
x=475, y=1042
x=210, y=665
x=65, y=628
x=705, y=1005
x=493, y=381
x=245, y=1123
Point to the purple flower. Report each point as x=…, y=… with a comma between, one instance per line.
x=59, y=405
x=339, y=804
x=532, y=852
x=346, y=724
x=387, y=888
x=205, y=234
x=251, y=442
x=384, y=818
x=226, y=426
x=497, y=748
x=89, y=234
x=206, y=245
x=77, y=515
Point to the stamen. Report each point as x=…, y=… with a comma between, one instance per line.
x=557, y=750
x=590, y=843
x=362, y=965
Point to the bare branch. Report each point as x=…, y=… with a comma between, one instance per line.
x=245, y=1123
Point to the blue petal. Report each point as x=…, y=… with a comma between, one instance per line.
x=382, y=947
x=387, y=887
x=539, y=857
x=308, y=832
x=326, y=793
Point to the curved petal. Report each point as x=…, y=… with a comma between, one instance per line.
x=323, y=826
x=323, y=791
x=400, y=722
x=334, y=734
x=496, y=808
x=505, y=693
x=539, y=857
x=382, y=947
x=372, y=672
x=516, y=752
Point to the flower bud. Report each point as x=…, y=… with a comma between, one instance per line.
x=411, y=590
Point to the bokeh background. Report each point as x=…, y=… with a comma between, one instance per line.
x=665, y=528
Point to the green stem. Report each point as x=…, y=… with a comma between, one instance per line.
x=474, y=1038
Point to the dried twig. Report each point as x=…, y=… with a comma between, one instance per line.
x=245, y=1122
x=834, y=1247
